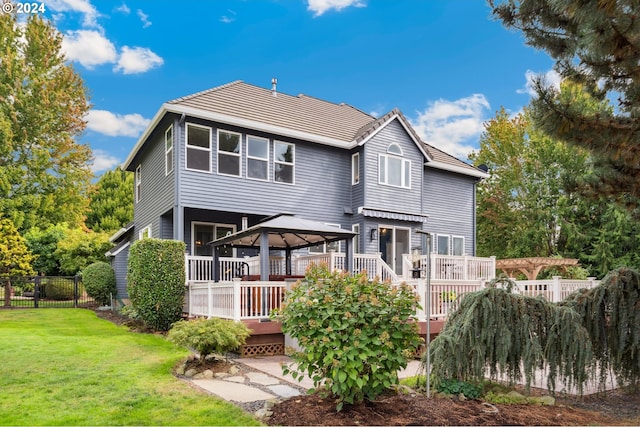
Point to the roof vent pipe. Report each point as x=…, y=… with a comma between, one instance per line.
x=274, y=82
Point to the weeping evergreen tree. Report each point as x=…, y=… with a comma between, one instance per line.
x=495, y=332
x=610, y=313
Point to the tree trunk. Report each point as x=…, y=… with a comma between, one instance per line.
x=7, y=293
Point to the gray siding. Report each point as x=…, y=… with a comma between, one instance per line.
x=450, y=204
x=157, y=195
x=321, y=190
x=119, y=265
x=387, y=197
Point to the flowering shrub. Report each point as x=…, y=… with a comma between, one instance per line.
x=356, y=334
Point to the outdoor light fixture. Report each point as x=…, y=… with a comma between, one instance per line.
x=374, y=234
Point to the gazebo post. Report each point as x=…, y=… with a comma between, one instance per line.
x=287, y=261
x=216, y=263
x=264, y=256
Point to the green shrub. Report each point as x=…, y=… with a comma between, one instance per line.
x=356, y=333
x=59, y=289
x=207, y=336
x=100, y=282
x=155, y=281
x=455, y=387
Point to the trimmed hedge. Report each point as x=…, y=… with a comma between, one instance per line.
x=100, y=282
x=155, y=281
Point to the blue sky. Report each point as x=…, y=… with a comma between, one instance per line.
x=446, y=64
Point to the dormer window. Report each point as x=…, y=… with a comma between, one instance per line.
x=393, y=169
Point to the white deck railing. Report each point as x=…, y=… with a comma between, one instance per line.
x=200, y=268
x=555, y=289
x=255, y=300
x=452, y=267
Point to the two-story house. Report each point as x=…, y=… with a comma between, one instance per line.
x=221, y=160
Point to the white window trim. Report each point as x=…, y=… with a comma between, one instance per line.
x=142, y=232
x=355, y=167
x=450, y=238
x=168, y=168
x=249, y=157
x=356, y=239
x=228, y=153
x=406, y=163
x=212, y=224
x=194, y=147
x=292, y=164
x=138, y=179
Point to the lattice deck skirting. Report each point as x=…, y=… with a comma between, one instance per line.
x=267, y=349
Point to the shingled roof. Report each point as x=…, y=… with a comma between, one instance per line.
x=300, y=116
x=302, y=113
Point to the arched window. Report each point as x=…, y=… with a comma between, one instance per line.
x=393, y=169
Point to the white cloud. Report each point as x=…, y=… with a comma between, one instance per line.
x=551, y=77
x=80, y=6
x=135, y=60
x=123, y=9
x=111, y=124
x=144, y=18
x=103, y=161
x=88, y=47
x=318, y=7
x=453, y=126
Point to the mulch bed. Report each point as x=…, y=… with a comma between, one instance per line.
x=617, y=407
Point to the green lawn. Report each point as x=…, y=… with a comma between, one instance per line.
x=68, y=367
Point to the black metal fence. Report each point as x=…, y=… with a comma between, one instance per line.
x=43, y=291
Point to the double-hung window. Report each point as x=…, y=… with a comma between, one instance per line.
x=198, y=148
x=393, y=169
x=229, y=152
x=450, y=245
x=284, y=162
x=138, y=184
x=257, y=158
x=168, y=150
x=145, y=233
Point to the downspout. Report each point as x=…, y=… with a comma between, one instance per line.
x=178, y=213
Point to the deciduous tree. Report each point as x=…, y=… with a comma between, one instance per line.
x=44, y=172
x=15, y=258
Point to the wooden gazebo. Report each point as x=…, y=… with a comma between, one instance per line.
x=532, y=266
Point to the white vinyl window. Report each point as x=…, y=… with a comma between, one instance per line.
x=204, y=232
x=138, y=183
x=322, y=248
x=355, y=168
x=168, y=150
x=449, y=245
x=229, y=152
x=393, y=169
x=145, y=233
x=257, y=158
x=284, y=162
x=198, y=148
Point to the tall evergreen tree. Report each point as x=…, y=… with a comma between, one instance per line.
x=44, y=173
x=595, y=43
x=111, y=205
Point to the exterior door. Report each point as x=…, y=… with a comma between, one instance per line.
x=394, y=241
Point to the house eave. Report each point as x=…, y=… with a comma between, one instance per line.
x=404, y=125
x=457, y=169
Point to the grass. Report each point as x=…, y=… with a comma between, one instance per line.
x=68, y=367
